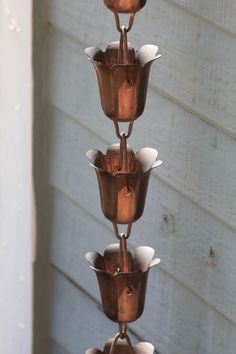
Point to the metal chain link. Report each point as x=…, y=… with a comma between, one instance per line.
x=119, y=27
x=121, y=335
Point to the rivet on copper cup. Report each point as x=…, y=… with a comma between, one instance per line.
x=123, y=194
x=122, y=294
x=122, y=347
x=125, y=6
x=123, y=87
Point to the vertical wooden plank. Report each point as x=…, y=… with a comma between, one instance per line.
x=42, y=190
x=16, y=226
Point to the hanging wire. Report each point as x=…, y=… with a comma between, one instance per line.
x=123, y=157
x=123, y=255
x=123, y=48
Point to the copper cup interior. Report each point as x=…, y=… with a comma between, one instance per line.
x=110, y=161
x=111, y=55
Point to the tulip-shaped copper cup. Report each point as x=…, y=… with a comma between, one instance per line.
x=125, y=6
x=122, y=347
x=123, y=294
x=123, y=87
x=123, y=193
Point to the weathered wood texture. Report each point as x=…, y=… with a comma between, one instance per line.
x=191, y=204
x=218, y=12
x=16, y=207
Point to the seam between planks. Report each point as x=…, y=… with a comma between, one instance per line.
x=154, y=88
x=192, y=12
x=204, y=118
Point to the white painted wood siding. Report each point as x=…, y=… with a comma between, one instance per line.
x=16, y=216
x=191, y=105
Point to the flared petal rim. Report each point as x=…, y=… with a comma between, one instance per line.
x=94, y=53
x=143, y=348
x=147, y=158
x=142, y=257
x=95, y=260
x=146, y=54
x=92, y=155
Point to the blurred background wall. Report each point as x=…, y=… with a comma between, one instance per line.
x=191, y=204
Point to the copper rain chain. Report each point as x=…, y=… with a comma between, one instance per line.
x=123, y=177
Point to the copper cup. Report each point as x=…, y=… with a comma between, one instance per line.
x=122, y=347
x=123, y=87
x=123, y=194
x=125, y=6
x=123, y=294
